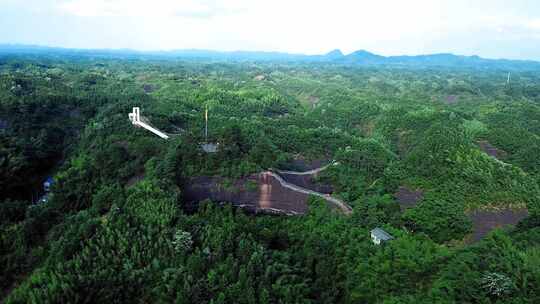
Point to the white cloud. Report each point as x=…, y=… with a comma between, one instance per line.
x=155, y=8
x=534, y=24
x=304, y=26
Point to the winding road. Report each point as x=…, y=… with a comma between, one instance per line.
x=343, y=206
x=310, y=172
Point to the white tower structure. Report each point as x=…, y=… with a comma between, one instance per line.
x=135, y=118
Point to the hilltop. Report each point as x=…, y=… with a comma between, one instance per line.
x=359, y=58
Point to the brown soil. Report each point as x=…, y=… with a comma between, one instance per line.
x=148, y=88
x=485, y=221
x=491, y=150
x=408, y=198
x=268, y=195
x=451, y=99
x=307, y=181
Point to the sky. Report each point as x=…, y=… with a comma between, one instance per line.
x=488, y=28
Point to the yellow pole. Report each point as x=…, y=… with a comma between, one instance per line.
x=206, y=124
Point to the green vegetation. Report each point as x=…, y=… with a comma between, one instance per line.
x=116, y=228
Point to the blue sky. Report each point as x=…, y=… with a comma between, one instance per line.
x=493, y=29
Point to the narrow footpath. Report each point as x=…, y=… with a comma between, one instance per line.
x=343, y=206
x=310, y=172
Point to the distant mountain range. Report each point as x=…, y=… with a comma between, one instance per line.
x=360, y=57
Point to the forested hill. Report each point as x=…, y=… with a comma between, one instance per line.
x=444, y=159
x=360, y=57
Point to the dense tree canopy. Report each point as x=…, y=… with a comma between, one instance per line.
x=116, y=226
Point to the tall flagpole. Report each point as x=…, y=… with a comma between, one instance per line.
x=206, y=124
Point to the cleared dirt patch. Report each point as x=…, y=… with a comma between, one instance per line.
x=491, y=150
x=451, y=99
x=148, y=88
x=408, y=198
x=484, y=221
x=256, y=193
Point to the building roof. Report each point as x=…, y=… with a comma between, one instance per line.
x=210, y=148
x=381, y=234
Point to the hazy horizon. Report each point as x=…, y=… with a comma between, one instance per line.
x=489, y=29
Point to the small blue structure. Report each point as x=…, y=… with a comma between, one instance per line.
x=378, y=235
x=47, y=184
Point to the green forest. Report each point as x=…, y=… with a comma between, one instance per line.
x=430, y=154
